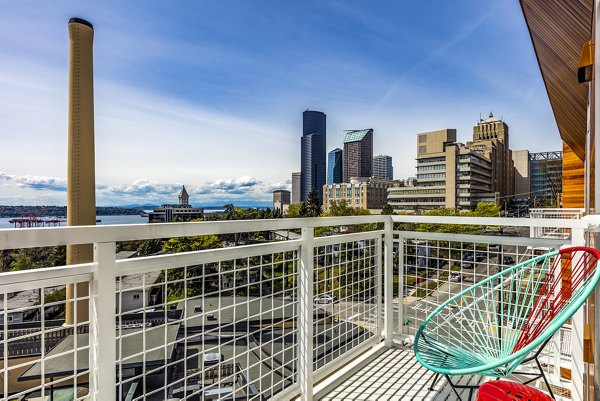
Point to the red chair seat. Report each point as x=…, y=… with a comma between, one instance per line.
x=502, y=390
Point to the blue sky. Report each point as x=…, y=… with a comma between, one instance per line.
x=210, y=94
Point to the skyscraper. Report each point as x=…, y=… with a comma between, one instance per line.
x=358, y=154
x=490, y=138
x=382, y=167
x=313, y=153
x=296, y=183
x=334, y=166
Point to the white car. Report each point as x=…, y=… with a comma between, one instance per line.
x=325, y=299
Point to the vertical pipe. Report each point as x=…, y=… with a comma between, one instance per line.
x=81, y=192
x=305, y=315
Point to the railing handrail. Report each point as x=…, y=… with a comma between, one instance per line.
x=492, y=221
x=16, y=238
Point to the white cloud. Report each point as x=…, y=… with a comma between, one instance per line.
x=49, y=190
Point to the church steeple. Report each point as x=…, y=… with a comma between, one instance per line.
x=184, y=198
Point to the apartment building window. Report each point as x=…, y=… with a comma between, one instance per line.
x=422, y=138
x=432, y=160
x=422, y=149
x=431, y=175
x=349, y=192
x=337, y=192
x=431, y=168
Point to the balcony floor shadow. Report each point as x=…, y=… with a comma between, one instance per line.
x=395, y=375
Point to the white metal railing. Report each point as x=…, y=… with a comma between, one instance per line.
x=266, y=320
x=554, y=213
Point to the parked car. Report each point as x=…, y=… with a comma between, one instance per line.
x=480, y=256
x=326, y=299
x=508, y=260
x=455, y=276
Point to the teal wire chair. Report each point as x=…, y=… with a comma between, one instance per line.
x=505, y=320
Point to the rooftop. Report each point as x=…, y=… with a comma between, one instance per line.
x=354, y=136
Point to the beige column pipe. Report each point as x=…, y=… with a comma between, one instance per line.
x=81, y=179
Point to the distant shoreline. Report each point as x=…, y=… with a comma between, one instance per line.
x=60, y=211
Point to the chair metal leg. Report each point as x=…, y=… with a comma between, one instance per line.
x=435, y=379
x=545, y=378
x=455, y=387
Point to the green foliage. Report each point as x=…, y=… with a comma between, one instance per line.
x=188, y=244
x=149, y=247
x=342, y=209
x=21, y=261
x=311, y=207
x=293, y=211
x=484, y=209
x=56, y=296
x=387, y=209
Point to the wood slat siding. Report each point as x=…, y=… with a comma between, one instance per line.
x=573, y=178
x=558, y=30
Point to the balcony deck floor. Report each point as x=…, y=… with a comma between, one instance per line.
x=394, y=375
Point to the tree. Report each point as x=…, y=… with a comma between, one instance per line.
x=20, y=261
x=343, y=209
x=311, y=207
x=293, y=211
x=485, y=209
x=387, y=209
x=150, y=246
x=195, y=243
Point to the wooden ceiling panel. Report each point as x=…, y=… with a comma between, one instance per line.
x=558, y=30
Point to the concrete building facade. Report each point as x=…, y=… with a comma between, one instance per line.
x=281, y=200
x=491, y=139
x=313, y=153
x=449, y=175
x=522, y=174
x=358, y=154
x=383, y=168
x=359, y=193
x=296, y=185
x=335, y=166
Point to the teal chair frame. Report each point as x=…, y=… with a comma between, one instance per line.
x=505, y=320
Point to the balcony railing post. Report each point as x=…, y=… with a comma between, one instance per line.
x=379, y=286
x=577, y=336
x=400, y=285
x=102, y=323
x=388, y=282
x=305, y=315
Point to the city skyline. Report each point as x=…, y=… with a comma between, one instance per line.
x=203, y=105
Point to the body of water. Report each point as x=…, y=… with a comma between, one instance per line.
x=116, y=219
